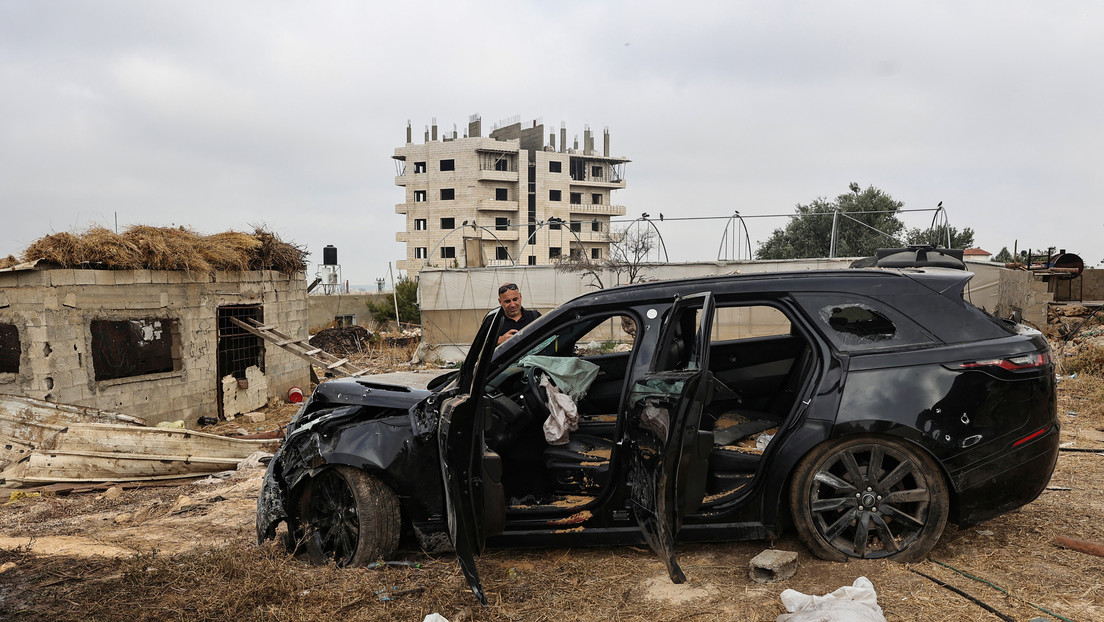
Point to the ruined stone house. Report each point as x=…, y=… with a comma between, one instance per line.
x=157, y=344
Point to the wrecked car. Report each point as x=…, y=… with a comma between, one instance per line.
x=864, y=407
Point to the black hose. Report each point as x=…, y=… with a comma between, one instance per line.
x=965, y=595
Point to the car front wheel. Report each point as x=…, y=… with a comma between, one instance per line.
x=348, y=517
x=869, y=497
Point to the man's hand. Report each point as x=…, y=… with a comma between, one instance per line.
x=506, y=335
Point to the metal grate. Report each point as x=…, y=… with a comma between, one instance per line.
x=238, y=349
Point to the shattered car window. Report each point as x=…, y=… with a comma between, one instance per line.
x=856, y=323
x=858, y=320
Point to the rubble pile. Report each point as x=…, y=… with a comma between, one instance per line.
x=343, y=340
x=406, y=337
x=1075, y=324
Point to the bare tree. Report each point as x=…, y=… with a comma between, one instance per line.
x=627, y=257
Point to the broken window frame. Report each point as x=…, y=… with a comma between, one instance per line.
x=129, y=348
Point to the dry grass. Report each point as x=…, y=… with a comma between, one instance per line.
x=242, y=581
x=169, y=248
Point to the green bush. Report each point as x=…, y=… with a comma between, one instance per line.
x=383, y=310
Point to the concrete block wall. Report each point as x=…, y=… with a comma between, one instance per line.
x=323, y=308
x=53, y=309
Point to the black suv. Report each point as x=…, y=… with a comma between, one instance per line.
x=868, y=407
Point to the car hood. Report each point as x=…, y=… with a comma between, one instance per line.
x=379, y=398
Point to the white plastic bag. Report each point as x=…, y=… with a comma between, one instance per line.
x=854, y=603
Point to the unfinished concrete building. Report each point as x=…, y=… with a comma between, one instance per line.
x=507, y=199
x=157, y=344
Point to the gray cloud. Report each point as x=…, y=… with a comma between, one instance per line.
x=220, y=115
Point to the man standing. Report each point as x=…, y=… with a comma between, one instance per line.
x=517, y=317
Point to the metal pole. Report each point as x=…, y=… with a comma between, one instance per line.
x=832, y=243
x=394, y=296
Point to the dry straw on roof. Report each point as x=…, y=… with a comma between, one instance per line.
x=168, y=248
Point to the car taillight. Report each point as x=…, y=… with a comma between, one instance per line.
x=1015, y=363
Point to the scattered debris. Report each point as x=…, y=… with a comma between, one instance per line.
x=47, y=443
x=1081, y=546
x=773, y=566
x=343, y=340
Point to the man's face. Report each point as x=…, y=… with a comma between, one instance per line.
x=510, y=301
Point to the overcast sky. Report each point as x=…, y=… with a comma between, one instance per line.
x=221, y=115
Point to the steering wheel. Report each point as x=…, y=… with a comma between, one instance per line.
x=536, y=398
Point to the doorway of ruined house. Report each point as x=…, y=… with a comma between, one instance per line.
x=238, y=349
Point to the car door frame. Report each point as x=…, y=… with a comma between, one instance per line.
x=475, y=503
x=667, y=470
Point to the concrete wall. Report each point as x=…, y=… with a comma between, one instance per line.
x=1092, y=285
x=323, y=308
x=1087, y=287
x=1023, y=296
x=53, y=310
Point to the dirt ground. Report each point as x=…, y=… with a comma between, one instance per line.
x=188, y=552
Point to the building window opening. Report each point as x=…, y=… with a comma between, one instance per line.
x=421, y=252
x=576, y=198
x=420, y=224
x=554, y=195
x=532, y=260
x=127, y=348
x=596, y=199
x=577, y=226
x=554, y=252
x=448, y=223
x=595, y=225
x=502, y=194
x=502, y=224
x=555, y=166
x=419, y=196
x=596, y=172
x=501, y=253
x=239, y=349
x=554, y=226
x=448, y=194
x=448, y=252
x=9, y=349
x=448, y=165
x=595, y=253
x=502, y=164
x=419, y=167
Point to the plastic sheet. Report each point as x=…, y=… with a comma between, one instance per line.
x=854, y=603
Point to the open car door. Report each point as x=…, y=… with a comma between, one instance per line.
x=669, y=452
x=475, y=503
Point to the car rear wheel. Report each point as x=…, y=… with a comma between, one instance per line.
x=869, y=497
x=348, y=517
